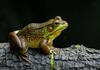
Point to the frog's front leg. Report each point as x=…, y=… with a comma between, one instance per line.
x=18, y=45
x=47, y=47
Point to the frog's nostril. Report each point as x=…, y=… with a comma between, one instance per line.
x=63, y=23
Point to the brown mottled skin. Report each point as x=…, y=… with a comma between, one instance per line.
x=37, y=35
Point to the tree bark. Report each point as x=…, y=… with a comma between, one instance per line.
x=71, y=58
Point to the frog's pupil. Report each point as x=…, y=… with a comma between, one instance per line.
x=56, y=23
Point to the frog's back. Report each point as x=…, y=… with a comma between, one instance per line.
x=31, y=32
x=36, y=29
x=39, y=25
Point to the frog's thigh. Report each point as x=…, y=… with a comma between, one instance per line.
x=17, y=45
x=45, y=47
x=14, y=40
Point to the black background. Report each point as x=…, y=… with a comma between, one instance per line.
x=82, y=16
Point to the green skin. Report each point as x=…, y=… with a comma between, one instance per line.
x=37, y=35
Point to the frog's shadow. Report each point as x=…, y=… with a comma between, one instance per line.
x=34, y=51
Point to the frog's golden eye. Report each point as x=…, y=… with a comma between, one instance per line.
x=56, y=21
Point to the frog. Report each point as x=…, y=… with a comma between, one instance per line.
x=37, y=35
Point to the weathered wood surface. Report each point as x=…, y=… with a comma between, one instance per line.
x=70, y=58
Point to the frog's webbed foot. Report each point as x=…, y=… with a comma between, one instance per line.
x=23, y=57
x=47, y=47
x=54, y=50
x=26, y=59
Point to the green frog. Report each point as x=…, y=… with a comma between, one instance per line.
x=37, y=35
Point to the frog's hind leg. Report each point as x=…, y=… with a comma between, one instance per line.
x=14, y=43
x=18, y=46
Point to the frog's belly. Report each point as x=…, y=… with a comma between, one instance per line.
x=34, y=44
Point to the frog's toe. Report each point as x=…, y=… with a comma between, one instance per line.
x=26, y=59
x=51, y=51
x=25, y=55
x=54, y=52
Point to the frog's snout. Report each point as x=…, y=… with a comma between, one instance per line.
x=58, y=20
x=66, y=23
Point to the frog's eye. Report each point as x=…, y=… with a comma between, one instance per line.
x=56, y=22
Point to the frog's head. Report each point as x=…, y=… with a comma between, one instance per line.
x=57, y=25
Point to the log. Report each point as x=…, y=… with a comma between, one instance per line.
x=75, y=57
